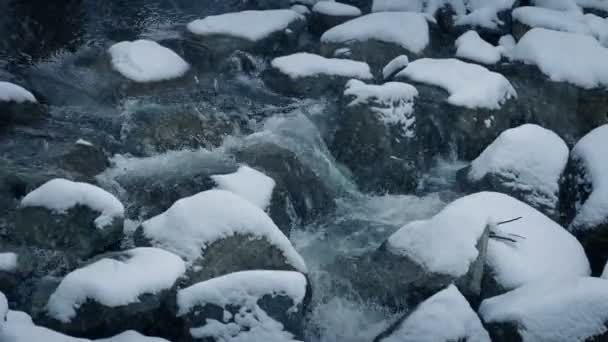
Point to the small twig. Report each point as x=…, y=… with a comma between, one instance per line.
x=509, y=221
x=498, y=237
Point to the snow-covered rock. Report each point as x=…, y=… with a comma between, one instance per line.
x=555, y=309
x=472, y=47
x=77, y=217
x=144, y=61
x=327, y=14
x=525, y=162
x=377, y=38
x=469, y=85
x=8, y=262
x=394, y=66
x=447, y=309
x=306, y=74
x=10, y=92
x=18, y=105
x=120, y=291
x=245, y=306
x=582, y=63
x=205, y=227
x=560, y=5
x=248, y=183
x=585, y=193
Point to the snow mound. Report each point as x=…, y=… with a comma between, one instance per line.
x=8, y=262
x=240, y=287
x=406, y=29
x=593, y=4
x=59, y=195
x=449, y=309
x=397, y=64
x=20, y=328
x=146, y=61
x=590, y=150
x=392, y=101
x=527, y=156
x=305, y=64
x=12, y=92
x=248, y=25
x=115, y=283
x=331, y=8
x=583, y=63
x=471, y=46
x=193, y=223
x=469, y=85
x=560, y=5
x=446, y=243
x=300, y=9
x=558, y=309
x=248, y=183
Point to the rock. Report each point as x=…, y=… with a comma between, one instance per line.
x=79, y=218
x=376, y=136
x=94, y=302
x=327, y=14
x=18, y=106
x=218, y=232
x=85, y=160
x=562, y=309
x=526, y=163
x=310, y=75
x=270, y=32
x=585, y=196
x=447, y=309
x=249, y=305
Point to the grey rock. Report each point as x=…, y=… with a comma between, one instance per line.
x=26, y=113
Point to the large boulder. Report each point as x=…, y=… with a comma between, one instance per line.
x=218, y=232
x=585, y=196
x=444, y=317
x=248, y=306
x=309, y=75
x=558, y=309
x=119, y=291
x=377, y=137
x=525, y=162
x=18, y=106
x=78, y=218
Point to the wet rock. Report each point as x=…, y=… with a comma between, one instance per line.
x=85, y=160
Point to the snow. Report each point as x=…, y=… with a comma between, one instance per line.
x=12, y=92
x=248, y=183
x=8, y=262
x=397, y=6
x=305, y=64
x=193, y=223
x=591, y=153
x=300, y=9
x=3, y=309
x=115, y=283
x=146, y=61
x=528, y=157
x=59, y=195
x=449, y=308
x=248, y=25
x=394, y=66
x=471, y=46
x=560, y=5
x=20, y=328
x=469, y=85
x=507, y=43
x=84, y=142
x=337, y=9
x=558, y=309
x=593, y=4
x=446, y=243
x=583, y=63
x=406, y=29
x=393, y=102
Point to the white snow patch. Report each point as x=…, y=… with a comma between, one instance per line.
x=12, y=92
x=248, y=183
x=528, y=157
x=115, y=283
x=556, y=309
x=392, y=101
x=560, y=5
x=397, y=64
x=331, y=8
x=406, y=29
x=471, y=46
x=249, y=25
x=470, y=85
x=300, y=9
x=8, y=262
x=305, y=64
x=593, y=4
x=458, y=321
x=446, y=243
x=59, y=195
x=590, y=151
x=3, y=310
x=397, y=6
x=146, y=61
x=84, y=142
x=193, y=223
x=582, y=63
x=507, y=43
